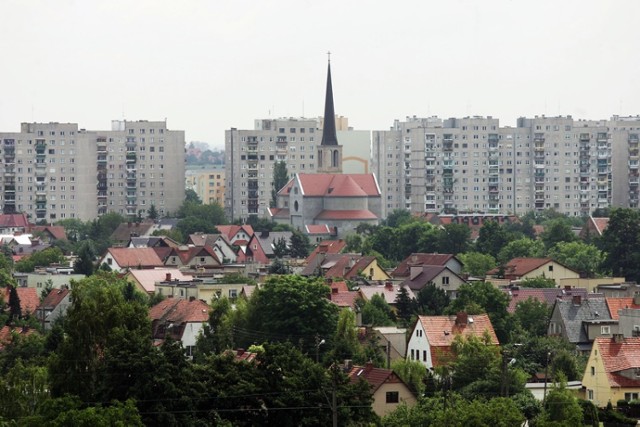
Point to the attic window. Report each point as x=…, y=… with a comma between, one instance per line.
x=551, y=268
x=393, y=397
x=330, y=190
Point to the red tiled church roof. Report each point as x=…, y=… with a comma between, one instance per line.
x=346, y=214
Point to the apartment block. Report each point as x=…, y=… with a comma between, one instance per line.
x=208, y=184
x=56, y=171
x=473, y=164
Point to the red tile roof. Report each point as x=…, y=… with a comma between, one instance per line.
x=54, y=298
x=339, y=286
x=355, y=214
x=336, y=185
x=28, y=297
x=231, y=230
x=326, y=247
x=6, y=334
x=404, y=268
x=345, y=299
x=374, y=376
x=187, y=254
x=616, y=304
x=318, y=229
x=180, y=311
x=388, y=292
x=348, y=266
x=136, y=257
x=279, y=212
x=619, y=356
x=600, y=224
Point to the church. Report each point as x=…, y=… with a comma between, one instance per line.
x=335, y=201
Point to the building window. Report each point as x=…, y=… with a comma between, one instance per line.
x=551, y=268
x=593, y=370
x=394, y=397
x=445, y=280
x=412, y=355
x=630, y=396
x=424, y=355
x=590, y=394
x=605, y=330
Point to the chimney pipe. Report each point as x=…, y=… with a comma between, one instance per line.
x=462, y=318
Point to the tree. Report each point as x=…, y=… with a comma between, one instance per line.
x=280, y=179
x=280, y=247
x=491, y=239
x=404, y=307
x=412, y=372
x=190, y=196
x=85, y=263
x=538, y=282
x=556, y=231
x=278, y=266
x=42, y=258
x=431, y=300
x=15, y=311
x=477, y=264
x=620, y=241
x=345, y=340
x=281, y=310
x=521, y=248
x=561, y=407
x=377, y=312
x=582, y=257
x=398, y=217
x=299, y=245
x=152, y=213
x=454, y=239
x=532, y=316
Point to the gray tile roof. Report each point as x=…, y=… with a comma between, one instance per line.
x=574, y=315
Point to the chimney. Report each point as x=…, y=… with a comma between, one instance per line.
x=462, y=319
x=618, y=338
x=192, y=299
x=264, y=233
x=167, y=277
x=577, y=300
x=567, y=288
x=348, y=364
x=334, y=290
x=368, y=366
x=240, y=351
x=388, y=286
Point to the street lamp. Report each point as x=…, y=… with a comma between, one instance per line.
x=319, y=342
x=546, y=374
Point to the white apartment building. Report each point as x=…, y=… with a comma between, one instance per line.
x=474, y=165
x=55, y=171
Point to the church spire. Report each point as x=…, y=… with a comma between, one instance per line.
x=329, y=134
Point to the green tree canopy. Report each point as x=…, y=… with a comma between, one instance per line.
x=477, y=264
x=584, y=258
x=620, y=241
x=521, y=248
x=280, y=179
x=556, y=231
x=492, y=238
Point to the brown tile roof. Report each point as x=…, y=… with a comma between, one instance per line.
x=180, y=311
x=54, y=298
x=318, y=229
x=619, y=356
x=231, y=230
x=441, y=330
x=56, y=231
x=241, y=355
x=388, y=292
x=376, y=377
x=345, y=299
x=422, y=279
x=404, y=268
x=616, y=304
x=518, y=267
x=186, y=254
x=279, y=212
x=546, y=295
x=6, y=334
x=136, y=257
x=14, y=221
x=326, y=247
x=28, y=297
x=343, y=267
x=354, y=214
x=600, y=224
x=339, y=286
x=337, y=185
x=125, y=230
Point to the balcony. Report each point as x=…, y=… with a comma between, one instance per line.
x=131, y=157
x=539, y=165
x=102, y=159
x=585, y=137
x=9, y=188
x=633, y=164
x=102, y=194
x=41, y=208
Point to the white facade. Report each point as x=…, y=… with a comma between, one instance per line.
x=418, y=347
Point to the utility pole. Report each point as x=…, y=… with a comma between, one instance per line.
x=546, y=374
x=334, y=397
x=388, y=354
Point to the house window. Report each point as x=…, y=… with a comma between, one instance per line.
x=393, y=397
x=590, y=394
x=109, y=261
x=630, y=396
x=551, y=268
x=605, y=330
x=424, y=355
x=412, y=355
x=233, y=293
x=445, y=280
x=593, y=370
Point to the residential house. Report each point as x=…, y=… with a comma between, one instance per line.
x=180, y=319
x=205, y=289
x=388, y=291
x=324, y=248
x=440, y=275
x=416, y=259
x=41, y=278
x=592, y=284
x=347, y=266
x=393, y=340
x=528, y=268
x=432, y=336
x=14, y=223
x=152, y=242
x=192, y=257
x=581, y=320
x=7, y=332
x=238, y=235
x=260, y=248
x=49, y=233
x=125, y=231
x=29, y=299
x=613, y=370
x=594, y=227
x=620, y=290
x=218, y=243
x=548, y=296
x=122, y=259
x=145, y=280
x=387, y=388
x=53, y=306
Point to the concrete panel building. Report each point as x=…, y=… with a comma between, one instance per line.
x=56, y=171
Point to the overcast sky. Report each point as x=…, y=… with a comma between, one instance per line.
x=207, y=66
